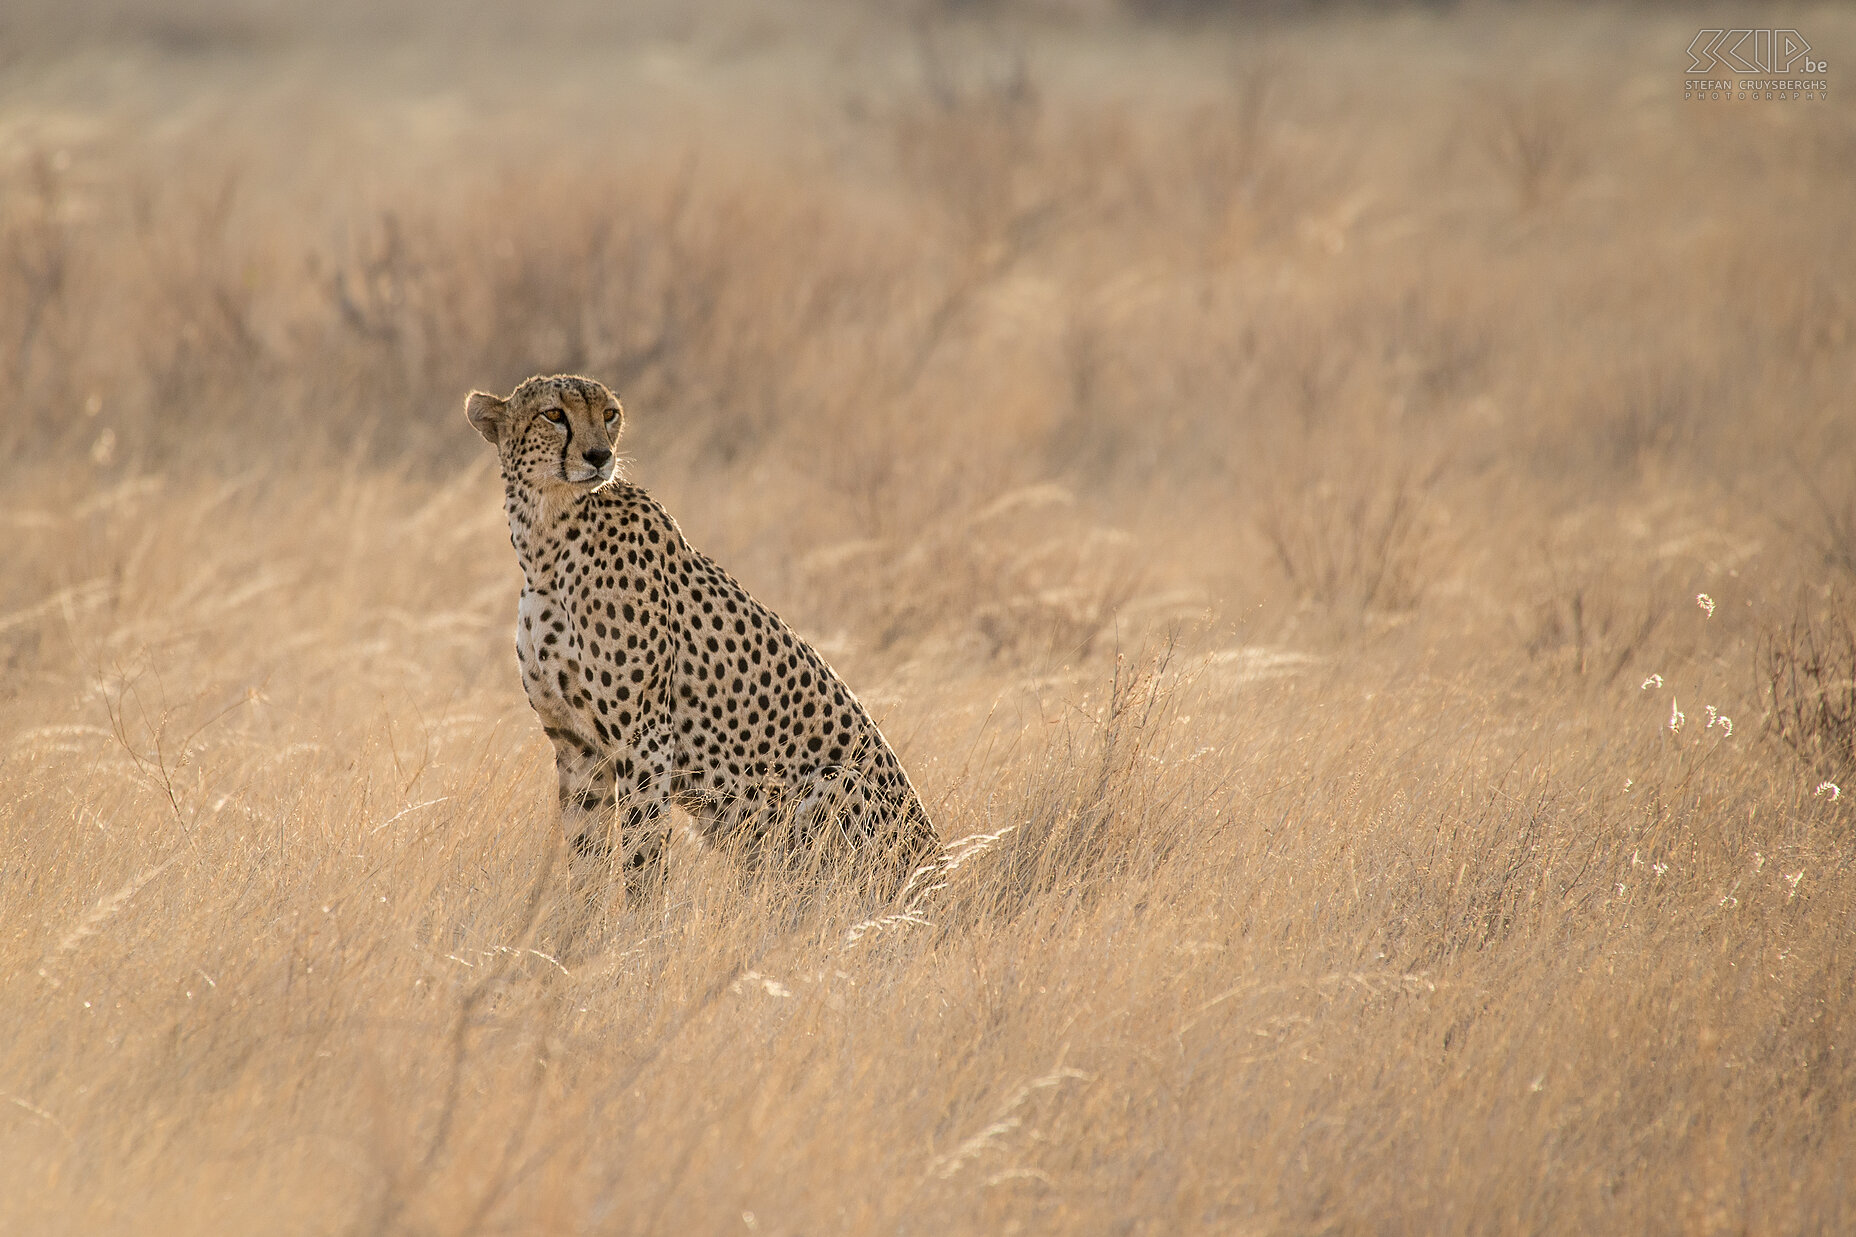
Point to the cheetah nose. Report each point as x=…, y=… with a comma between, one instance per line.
x=597, y=456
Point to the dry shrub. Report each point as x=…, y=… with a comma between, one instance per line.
x=1012, y=578
x=1807, y=672
x=1532, y=136
x=42, y=317
x=1111, y=800
x=1647, y=415
x=204, y=346
x=1236, y=166
x=1828, y=524
x=1593, y=624
x=1358, y=546
x=972, y=141
x=662, y=276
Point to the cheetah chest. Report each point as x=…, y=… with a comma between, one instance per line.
x=549, y=651
x=586, y=671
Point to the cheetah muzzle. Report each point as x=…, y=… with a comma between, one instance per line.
x=661, y=682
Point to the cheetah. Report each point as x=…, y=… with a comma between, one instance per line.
x=660, y=681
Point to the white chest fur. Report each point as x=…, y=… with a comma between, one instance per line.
x=546, y=646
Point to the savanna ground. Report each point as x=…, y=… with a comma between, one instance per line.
x=1261, y=473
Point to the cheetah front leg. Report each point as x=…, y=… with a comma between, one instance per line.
x=587, y=800
x=647, y=786
x=613, y=815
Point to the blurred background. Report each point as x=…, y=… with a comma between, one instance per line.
x=1353, y=504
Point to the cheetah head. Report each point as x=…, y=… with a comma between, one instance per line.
x=552, y=432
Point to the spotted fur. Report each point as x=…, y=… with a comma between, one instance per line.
x=661, y=682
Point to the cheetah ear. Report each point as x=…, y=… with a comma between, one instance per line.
x=486, y=414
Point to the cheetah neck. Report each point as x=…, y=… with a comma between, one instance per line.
x=538, y=520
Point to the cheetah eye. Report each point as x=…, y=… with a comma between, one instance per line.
x=556, y=416
x=612, y=414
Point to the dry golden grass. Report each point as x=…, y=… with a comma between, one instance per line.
x=1267, y=510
